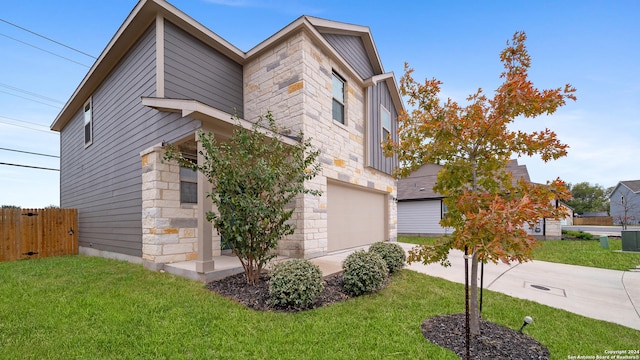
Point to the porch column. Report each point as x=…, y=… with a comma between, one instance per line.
x=204, y=263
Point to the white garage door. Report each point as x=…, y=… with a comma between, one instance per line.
x=355, y=217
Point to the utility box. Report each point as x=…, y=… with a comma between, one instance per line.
x=631, y=240
x=604, y=241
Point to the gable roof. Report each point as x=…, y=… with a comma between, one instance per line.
x=419, y=185
x=632, y=185
x=145, y=13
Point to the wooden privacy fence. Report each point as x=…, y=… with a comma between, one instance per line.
x=36, y=233
x=593, y=220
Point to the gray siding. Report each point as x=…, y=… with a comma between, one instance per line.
x=104, y=180
x=379, y=94
x=421, y=217
x=632, y=205
x=351, y=48
x=194, y=70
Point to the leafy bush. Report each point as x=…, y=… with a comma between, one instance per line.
x=295, y=283
x=572, y=234
x=364, y=272
x=392, y=254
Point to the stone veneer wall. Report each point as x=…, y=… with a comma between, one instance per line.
x=293, y=81
x=169, y=228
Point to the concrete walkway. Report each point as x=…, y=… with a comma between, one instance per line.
x=608, y=295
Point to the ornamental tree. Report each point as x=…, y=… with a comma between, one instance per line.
x=255, y=178
x=488, y=210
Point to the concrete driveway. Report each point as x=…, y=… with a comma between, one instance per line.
x=608, y=295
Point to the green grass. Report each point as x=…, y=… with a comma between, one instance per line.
x=587, y=253
x=572, y=252
x=78, y=307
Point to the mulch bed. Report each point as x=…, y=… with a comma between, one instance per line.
x=494, y=341
x=257, y=296
x=448, y=331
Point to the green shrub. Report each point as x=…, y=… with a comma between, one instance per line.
x=572, y=234
x=392, y=254
x=295, y=283
x=364, y=272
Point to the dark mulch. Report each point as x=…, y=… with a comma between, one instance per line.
x=448, y=331
x=257, y=296
x=494, y=341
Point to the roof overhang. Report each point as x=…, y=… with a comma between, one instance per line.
x=140, y=18
x=221, y=123
x=390, y=79
x=146, y=12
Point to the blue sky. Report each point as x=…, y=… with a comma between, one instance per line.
x=591, y=44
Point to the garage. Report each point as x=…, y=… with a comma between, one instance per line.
x=355, y=217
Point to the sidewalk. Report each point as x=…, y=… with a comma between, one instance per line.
x=608, y=295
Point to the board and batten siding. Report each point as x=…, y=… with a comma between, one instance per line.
x=420, y=217
x=196, y=71
x=104, y=180
x=379, y=95
x=352, y=50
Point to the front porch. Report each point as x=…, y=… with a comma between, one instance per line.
x=227, y=265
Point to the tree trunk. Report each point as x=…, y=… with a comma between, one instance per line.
x=473, y=301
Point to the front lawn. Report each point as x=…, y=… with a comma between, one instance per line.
x=572, y=252
x=78, y=307
x=587, y=253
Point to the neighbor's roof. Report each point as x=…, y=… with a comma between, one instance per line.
x=145, y=13
x=419, y=185
x=633, y=185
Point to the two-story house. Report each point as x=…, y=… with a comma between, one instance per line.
x=163, y=76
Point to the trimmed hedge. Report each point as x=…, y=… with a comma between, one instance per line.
x=364, y=272
x=392, y=253
x=295, y=283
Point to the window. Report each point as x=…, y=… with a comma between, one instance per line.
x=188, y=185
x=88, y=123
x=338, y=98
x=444, y=210
x=385, y=120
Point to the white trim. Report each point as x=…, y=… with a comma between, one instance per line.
x=382, y=127
x=84, y=122
x=159, y=55
x=222, y=121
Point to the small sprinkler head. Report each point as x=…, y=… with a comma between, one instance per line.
x=527, y=320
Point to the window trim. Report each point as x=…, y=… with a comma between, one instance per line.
x=190, y=181
x=342, y=102
x=444, y=209
x=88, y=103
x=382, y=127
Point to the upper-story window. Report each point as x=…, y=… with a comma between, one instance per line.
x=88, y=122
x=338, y=85
x=385, y=121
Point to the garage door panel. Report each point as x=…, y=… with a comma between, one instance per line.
x=355, y=217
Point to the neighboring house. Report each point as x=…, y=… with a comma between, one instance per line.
x=163, y=76
x=420, y=209
x=624, y=203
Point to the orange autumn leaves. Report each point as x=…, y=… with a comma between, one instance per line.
x=488, y=210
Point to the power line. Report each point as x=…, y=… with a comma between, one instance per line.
x=29, y=152
x=41, y=49
x=24, y=121
x=26, y=98
x=26, y=127
x=46, y=38
x=30, y=93
x=28, y=166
